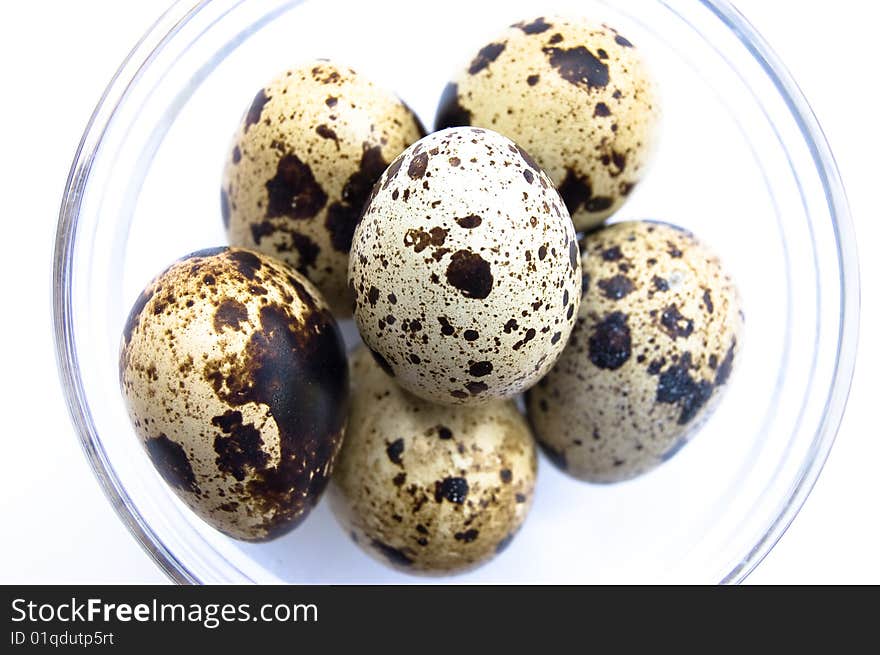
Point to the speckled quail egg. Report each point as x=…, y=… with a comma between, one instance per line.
x=657, y=333
x=465, y=269
x=236, y=381
x=429, y=488
x=573, y=93
x=302, y=164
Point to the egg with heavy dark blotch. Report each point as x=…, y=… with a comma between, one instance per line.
x=235, y=378
x=658, y=333
x=577, y=95
x=465, y=269
x=302, y=164
x=429, y=488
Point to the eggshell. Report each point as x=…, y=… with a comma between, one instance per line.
x=465, y=269
x=429, y=488
x=657, y=336
x=576, y=95
x=307, y=153
x=235, y=378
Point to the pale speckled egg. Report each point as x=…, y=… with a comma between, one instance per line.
x=573, y=93
x=657, y=334
x=236, y=381
x=465, y=269
x=302, y=164
x=429, y=488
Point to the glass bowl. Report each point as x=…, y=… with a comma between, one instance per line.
x=741, y=161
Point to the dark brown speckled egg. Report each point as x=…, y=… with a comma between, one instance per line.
x=656, y=339
x=429, y=488
x=577, y=95
x=235, y=379
x=302, y=164
x=465, y=269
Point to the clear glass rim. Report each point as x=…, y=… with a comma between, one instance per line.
x=169, y=23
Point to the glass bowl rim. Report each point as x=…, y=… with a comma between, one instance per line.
x=177, y=15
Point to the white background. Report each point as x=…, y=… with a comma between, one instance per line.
x=56, y=57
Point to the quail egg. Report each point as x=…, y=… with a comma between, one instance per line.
x=465, y=269
x=302, y=163
x=573, y=93
x=236, y=381
x=656, y=339
x=429, y=488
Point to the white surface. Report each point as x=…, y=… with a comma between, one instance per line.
x=58, y=56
